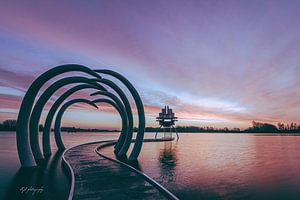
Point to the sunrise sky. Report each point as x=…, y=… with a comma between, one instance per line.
x=216, y=63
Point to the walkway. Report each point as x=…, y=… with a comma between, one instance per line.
x=99, y=178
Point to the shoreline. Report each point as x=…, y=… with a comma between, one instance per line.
x=246, y=133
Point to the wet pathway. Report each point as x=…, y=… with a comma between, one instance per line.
x=99, y=178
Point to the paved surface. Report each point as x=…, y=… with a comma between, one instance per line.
x=99, y=178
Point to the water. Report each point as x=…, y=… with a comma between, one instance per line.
x=200, y=166
x=10, y=165
x=226, y=166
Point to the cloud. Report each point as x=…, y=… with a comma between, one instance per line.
x=211, y=61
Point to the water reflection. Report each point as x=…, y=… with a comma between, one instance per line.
x=47, y=181
x=198, y=166
x=133, y=163
x=168, y=161
x=9, y=165
x=226, y=166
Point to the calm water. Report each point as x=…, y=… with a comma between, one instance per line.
x=201, y=166
x=226, y=166
x=10, y=165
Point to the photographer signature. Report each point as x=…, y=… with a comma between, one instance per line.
x=32, y=190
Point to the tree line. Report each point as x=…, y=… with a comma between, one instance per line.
x=271, y=128
x=10, y=125
x=257, y=127
x=193, y=129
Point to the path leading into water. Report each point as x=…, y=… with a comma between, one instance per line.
x=99, y=178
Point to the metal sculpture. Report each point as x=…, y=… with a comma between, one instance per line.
x=167, y=119
x=29, y=117
x=119, y=105
x=54, y=108
x=38, y=108
x=123, y=144
x=140, y=109
x=60, y=113
x=124, y=119
x=22, y=138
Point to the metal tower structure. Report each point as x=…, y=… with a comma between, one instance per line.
x=167, y=120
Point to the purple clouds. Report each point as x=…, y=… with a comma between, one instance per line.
x=219, y=62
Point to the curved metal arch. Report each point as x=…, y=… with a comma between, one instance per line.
x=104, y=93
x=123, y=144
x=38, y=108
x=140, y=108
x=23, y=146
x=60, y=113
x=123, y=115
x=52, y=111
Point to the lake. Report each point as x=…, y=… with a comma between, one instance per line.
x=226, y=166
x=201, y=166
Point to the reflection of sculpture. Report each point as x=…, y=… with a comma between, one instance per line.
x=25, y=149
x=167, y=119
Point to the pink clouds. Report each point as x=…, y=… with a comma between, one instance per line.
x=230, y=61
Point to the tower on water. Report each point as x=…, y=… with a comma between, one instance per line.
x=166, y=119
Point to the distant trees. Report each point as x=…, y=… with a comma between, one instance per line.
x=262, y=127
x=8, y=125
x=258, y=127
x=196, y=129
x=280, y=126
x=292, y=127
x=74, y=129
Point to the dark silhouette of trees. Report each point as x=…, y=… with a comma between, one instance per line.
x=280, y=126
x=262, y=127
x=257, y=127
x=8, y=125
x=195, y=129
x=74, y=129
x=291, y=128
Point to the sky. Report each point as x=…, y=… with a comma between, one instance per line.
x=216, y=63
